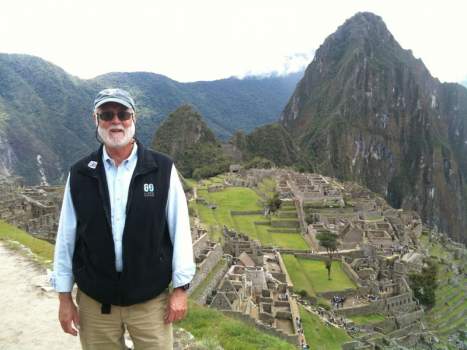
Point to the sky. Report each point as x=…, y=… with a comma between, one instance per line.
x=213, y=39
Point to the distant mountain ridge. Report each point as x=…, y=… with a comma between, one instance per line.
x=367, y=110
x=45, y=113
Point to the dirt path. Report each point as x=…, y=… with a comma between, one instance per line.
x=28, y=307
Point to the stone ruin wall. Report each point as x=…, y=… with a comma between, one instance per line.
x=35, y=209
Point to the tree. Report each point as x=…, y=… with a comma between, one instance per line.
x=274, y=203
x=328, y=240
x=311, y=218
x=424, y=284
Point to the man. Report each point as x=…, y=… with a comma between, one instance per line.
x=123, y=235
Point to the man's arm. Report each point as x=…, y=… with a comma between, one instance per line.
x=183, y=266
x=62, y=277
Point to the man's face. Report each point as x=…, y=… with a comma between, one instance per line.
x=115, y=133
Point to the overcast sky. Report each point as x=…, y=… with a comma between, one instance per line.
x=205, y=40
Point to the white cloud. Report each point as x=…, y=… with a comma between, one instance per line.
x=211, y=39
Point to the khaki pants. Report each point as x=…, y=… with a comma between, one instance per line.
x=145, y=323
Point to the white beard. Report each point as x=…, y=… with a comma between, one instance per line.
x=116, y=140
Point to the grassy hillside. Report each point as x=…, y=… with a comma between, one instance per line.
x=319, y=335
x=43, y=251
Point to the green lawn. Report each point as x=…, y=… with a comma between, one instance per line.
x=367, y=319
x=299, y=279
x=243, y=199
x=306, y=274
x=43, y=250
x=289, y=241
x=319, y=336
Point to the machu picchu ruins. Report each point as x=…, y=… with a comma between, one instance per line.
x=252, y=263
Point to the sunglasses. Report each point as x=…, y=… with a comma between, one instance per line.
x=107, y=116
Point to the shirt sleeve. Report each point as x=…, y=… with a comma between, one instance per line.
x=62, y=277
x=178, y=221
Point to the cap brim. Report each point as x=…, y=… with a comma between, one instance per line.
x=113, y=99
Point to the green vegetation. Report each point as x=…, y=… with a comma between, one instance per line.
x=300, y=280
x=424, y=284
x=43, y=251
x=232, y=334
x=188, y=140
x=319, y=335
x=206, y=324
x=259, y=163
x=310, y=275
x=447, y=316
x=367, y=319
x=328, y=240
x=220, y=205
x=202, y=286
x=271, y=142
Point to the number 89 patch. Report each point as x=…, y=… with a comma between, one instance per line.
x=148, y=190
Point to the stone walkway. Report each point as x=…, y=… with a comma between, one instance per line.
x=29, y=308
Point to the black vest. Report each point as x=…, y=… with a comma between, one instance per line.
x=147, y=248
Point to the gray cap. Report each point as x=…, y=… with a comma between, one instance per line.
x=114, y=95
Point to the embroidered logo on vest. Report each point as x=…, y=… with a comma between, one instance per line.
x=92, y=164
x=148, y=190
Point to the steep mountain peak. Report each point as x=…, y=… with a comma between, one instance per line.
x=363, y=33
x=368, y=110
x=365, y=23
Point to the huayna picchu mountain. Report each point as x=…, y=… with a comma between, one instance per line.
x=368, y=110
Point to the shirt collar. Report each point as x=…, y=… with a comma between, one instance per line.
x=131, y=158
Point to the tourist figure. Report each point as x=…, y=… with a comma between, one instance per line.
x=123, y=236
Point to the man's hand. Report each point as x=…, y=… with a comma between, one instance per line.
x=68, y=314
x=177, y=306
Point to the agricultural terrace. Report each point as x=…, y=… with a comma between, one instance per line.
x=367, y=319
x=242, y=209
x=312, y=276
x=449, y=313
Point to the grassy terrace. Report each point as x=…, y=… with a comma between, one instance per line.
x=367, y=319
x=448, y=314
x=319, y=335
x=312, y=276
x=255, y=226
x=206, y=324
x=231, y=334
x=42, y=250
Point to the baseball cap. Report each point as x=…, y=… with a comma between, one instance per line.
x=114, y=95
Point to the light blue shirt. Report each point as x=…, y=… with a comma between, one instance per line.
x=118, y=182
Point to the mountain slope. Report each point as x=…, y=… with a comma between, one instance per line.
x=192, y=145
x=367, y=110
x=45, y=113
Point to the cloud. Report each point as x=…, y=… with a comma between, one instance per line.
x=289, y=64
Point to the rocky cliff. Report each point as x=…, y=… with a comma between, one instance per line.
x=368, y=110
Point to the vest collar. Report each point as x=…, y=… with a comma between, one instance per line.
x=93, y=166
